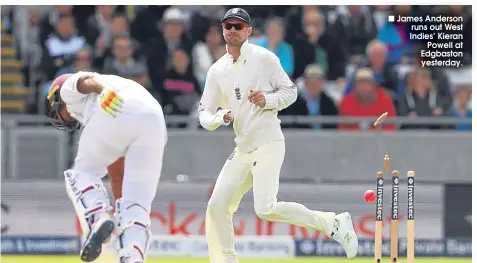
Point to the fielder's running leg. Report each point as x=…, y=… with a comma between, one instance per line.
x=142, y=170
x=267, y=161
x=233, y=183
x=235, y=180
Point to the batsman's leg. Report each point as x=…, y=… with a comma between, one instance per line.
x=97, y=149
x=142, y=170
x=266, y=172
x=233, y=183
x=91, y=203
x=116, y=174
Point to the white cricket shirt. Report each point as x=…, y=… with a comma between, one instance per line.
x=82, y=106
x=228, y=85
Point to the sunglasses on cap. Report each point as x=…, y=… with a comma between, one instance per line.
x=238, y=26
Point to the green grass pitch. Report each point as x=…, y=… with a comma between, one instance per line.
x=73, y=259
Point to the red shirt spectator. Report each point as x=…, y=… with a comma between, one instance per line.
x=367, y=100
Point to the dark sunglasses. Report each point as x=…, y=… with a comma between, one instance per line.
x=237, y=26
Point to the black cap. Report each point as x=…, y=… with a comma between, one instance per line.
x=238, y=13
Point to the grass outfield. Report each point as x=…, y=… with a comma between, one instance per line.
x=73, y=259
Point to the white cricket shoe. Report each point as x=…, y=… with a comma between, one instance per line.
x=343, y=232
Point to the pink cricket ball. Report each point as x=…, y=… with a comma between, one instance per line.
x=370, y=196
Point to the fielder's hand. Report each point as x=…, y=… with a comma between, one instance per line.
x=228, y=117
x=110, y=102
x=257, y=98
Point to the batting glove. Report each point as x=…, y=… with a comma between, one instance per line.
x=110, y=102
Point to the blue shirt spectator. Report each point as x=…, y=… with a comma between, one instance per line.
x=275, y=43
x=462, y=109
x=396, y=34
x=465, y=115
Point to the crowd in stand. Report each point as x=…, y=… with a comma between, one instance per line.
x=346, y=60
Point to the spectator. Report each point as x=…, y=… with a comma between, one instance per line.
x=205, y=54
x=462, y=108
x=312, y=100
x=48, y=22
x=139, y=75
x=274, y=42
x=366, y=100
x=61, y=46
x=119, y=28
x=422, y=99
x=27, y=34
x=307, y=48
x=159, y=51
x=466, y=15
x=122, y=62
x=294, y=20
x=257, y=32
x=99, y=24
x=384, y=74
x=203, y=19
x=144, y=26
x=438, y=75
x=82, y=61
x=180, y=90
x=173, y=32
x=355, y=27
x=381, y=15
x=396, y=36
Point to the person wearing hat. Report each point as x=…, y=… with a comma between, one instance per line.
x=250, y=86
x=312, y=100
x=366, y=100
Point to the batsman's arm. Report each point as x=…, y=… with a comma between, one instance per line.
x=80, y=85
x=285, y=91
x=87, y=85
x=209, y=117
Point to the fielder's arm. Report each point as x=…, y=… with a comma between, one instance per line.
x=285, y=91
x=209, y=117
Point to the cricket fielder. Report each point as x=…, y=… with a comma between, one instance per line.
x=120, y=119
x=250, y=86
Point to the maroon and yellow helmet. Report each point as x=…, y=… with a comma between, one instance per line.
x=53, y=105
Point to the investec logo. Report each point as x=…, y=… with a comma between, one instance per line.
x=410, y=198
x=395, y=207
x=379, y=201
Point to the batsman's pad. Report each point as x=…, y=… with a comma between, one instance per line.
x=89, y=198
x=134, y=233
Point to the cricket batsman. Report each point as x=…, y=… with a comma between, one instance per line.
x=250, y=86
x=123, y=131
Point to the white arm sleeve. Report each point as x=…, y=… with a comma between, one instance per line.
x=69, y=91
x=285, y=91
x=209, y=117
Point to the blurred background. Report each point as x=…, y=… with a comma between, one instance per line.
x=332, y=147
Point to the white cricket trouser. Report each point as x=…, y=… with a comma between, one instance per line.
x=259, y=168
x=141, y=138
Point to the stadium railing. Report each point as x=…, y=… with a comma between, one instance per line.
x=15, y=120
